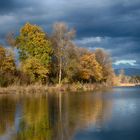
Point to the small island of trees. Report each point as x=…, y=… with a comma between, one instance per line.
x=52, y=59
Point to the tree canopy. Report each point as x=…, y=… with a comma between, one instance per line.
x=7, y=66
x=90, y=69
x=35, y=51
x=53, y=58
x=33, y=42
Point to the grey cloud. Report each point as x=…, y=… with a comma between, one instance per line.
x=115, y=23
x=120, y=48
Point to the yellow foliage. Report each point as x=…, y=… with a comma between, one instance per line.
x=35, y=69
x=90, y=68
x=33, y=42
x=7, y=63
x=35, y=51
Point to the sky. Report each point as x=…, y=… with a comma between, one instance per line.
x=113, y=25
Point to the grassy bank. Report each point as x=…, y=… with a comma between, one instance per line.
x=38, y=88
x=127, y=85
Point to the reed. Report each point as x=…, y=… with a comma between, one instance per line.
x=39, y=88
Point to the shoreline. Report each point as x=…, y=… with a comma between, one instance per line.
x=127, y=85
x=53, y=88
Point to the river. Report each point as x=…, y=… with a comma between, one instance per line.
x=112, y=114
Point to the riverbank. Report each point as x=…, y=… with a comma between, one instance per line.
x=127, y=85
x=37, y=88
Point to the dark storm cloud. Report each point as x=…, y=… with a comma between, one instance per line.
x=121, y=48
x=112, y=25
x=6, y=5
x=11, y=6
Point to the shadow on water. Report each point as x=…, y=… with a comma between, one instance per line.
x=71, y=116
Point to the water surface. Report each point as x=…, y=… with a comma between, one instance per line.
x=108, y=115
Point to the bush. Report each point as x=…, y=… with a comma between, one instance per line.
x=3, y=81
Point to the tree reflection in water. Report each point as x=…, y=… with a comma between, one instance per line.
x=52, y=116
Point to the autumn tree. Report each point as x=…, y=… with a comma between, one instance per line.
x=62, y=36
x=54, y=58
x=35, y=69
x=10, y=39
x=104, y=59
x=122, y=76
x=7, y=63
x=71, y=63
x=34, y=48
x=7, y=66
x=90, y=69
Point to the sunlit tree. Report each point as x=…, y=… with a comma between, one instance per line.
x=7, y=66
x=34, y=69
x=90, y=69
x=32, y=43
x=104, y=59
x=62, y=36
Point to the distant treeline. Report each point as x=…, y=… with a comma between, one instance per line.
x=51, y=59
x=122, y=78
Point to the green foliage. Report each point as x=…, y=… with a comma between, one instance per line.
x=35, y=69
x=32, y=42
x=35, y=51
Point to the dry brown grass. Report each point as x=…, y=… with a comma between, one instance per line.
x=38, y=88
x=126, y=85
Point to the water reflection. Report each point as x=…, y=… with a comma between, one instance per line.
x=7, y=113
x=51, y=116
x=106, y=115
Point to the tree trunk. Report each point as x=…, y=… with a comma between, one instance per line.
x=60, y=71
